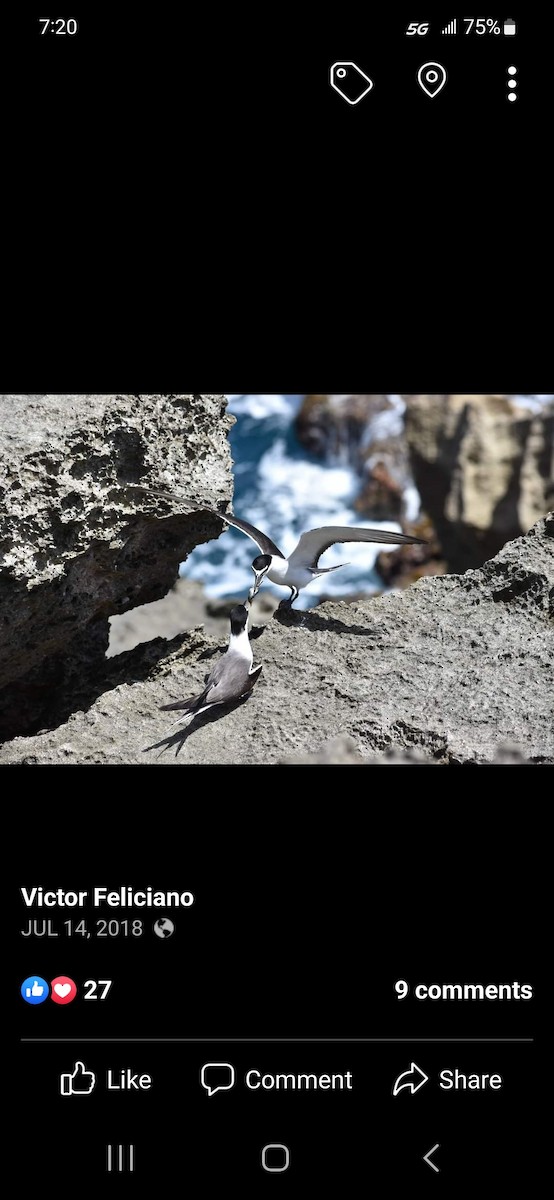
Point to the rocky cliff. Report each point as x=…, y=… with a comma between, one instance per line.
x=483, y=466
x=367, y=432
x=78, y=544
x=457, y=669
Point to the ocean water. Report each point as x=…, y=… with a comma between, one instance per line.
x=283, y=490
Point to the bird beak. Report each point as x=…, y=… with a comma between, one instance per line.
x=258, y=576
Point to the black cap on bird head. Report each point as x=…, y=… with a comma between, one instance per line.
x=238, y=618
x=260, y=565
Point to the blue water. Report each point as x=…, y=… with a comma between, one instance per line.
x=284, y=491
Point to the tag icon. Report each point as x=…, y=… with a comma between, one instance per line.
x=350, y=81
x=431, y=78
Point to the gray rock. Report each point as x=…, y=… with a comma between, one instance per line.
x=78, y=543
x=340, y=750
x=184, y=607
x=457, y=669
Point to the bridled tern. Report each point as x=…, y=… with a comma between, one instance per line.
x=232, y=677
x=298, y=570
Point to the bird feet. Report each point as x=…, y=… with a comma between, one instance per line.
x=286, y=604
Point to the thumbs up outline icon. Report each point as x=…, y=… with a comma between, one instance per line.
x=78, y=1082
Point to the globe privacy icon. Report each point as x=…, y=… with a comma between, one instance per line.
x=163, y=927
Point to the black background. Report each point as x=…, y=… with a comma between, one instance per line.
x=189, y=206
x=304, y=918
x=230, y=65
x=188, y=189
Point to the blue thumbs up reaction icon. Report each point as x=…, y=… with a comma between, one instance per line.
x=34, y=989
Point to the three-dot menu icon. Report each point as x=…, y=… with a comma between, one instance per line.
x=512, y=84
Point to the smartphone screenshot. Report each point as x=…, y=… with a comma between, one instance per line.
x=276, y=732
x=286, y=944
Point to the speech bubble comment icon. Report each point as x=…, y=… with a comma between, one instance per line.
x=217, y=1077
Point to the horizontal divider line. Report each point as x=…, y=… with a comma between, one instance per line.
x=284, y=1040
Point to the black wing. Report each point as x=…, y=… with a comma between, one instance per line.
x=261, y=539
x=313, y=543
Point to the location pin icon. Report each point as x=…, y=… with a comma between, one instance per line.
x=431, y=77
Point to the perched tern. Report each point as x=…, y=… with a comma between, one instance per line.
x=232, y=677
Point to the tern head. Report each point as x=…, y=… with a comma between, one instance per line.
x=238, y=618
x=260, y=567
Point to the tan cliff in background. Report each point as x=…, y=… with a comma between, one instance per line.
x=483, y=466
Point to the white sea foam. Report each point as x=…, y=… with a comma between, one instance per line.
x=262, y=407
x=284, y=491
x=386, y=424
x=412, y=502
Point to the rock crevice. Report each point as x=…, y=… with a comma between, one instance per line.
x=458, y=669
x=79, y=542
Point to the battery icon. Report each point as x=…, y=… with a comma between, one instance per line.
x=509, y=27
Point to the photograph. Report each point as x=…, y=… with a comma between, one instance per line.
x=297, y=579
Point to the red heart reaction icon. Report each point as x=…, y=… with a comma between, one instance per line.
x=63, y=990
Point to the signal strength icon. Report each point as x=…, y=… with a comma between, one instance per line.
x=451, y=27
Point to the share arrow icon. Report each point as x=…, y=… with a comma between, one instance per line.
x=412, y=1079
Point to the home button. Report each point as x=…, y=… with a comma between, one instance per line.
x=275, y=1157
